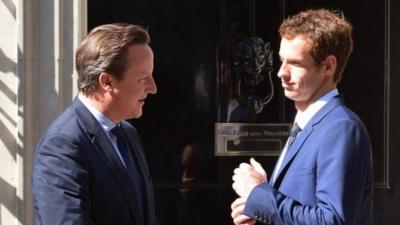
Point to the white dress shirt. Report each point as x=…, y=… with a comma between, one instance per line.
x=302, y=118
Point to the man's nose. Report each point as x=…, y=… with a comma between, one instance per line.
x=283, y=72
x=152, y=87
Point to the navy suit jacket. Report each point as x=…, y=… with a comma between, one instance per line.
x=325, y=178
x=78, y=178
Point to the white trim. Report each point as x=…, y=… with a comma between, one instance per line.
x=40, y=102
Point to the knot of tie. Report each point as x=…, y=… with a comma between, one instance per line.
x=295, y=130
x=117, y=131
x=293, y=134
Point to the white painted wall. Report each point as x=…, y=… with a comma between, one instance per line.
x=8, y=112
x=37, y=43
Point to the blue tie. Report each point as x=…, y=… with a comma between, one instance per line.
x=130, y=165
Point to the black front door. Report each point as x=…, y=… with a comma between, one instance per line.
x=194, y=41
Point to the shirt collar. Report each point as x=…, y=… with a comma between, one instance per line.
x=104, y=122
x=302, y=118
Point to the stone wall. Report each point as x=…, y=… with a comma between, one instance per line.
x=37, y=43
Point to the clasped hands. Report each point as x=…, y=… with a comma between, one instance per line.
x=245, y=178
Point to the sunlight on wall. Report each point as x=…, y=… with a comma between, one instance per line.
x=8, y=112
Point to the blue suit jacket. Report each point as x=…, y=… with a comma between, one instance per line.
x=326, y=176
x=78, y=178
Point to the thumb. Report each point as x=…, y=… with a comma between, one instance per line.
x=257, y=166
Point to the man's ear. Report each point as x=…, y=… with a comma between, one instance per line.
x=105, y=81
x=330, y=65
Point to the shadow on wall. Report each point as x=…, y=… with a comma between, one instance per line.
x=41, y=98
x=8, y=200
x=7, y=65
x=10, y=6
x=7, y=137
x=8, y=192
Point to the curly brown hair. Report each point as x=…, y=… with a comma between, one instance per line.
x=105, y=50
x=329, y=31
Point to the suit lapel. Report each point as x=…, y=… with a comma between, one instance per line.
x=106, y=151
x=304, y=134
x=292, y=152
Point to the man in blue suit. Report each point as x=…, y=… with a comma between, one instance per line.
x=324, y=173
x=89, y=166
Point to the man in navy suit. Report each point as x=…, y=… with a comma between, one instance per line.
x=89, y=166
x=324, y=173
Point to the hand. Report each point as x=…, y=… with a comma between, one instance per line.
x=247, y=176
x=237, y=213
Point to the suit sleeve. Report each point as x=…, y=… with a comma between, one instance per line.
x=342, y=172
x=60, y=183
